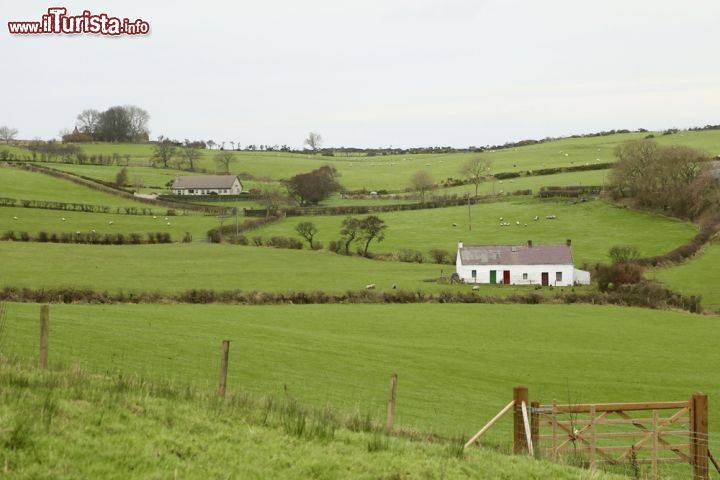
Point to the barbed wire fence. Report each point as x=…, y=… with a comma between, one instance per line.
x=662, y=443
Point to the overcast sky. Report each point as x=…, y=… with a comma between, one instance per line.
x=372, y=73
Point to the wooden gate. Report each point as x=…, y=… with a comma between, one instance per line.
x=651, y=433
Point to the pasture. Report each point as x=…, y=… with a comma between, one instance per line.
x=698, y=276
x=593, y=227
x=34, y=220
x=179, y=267
x=26, y=185
x=456, y=364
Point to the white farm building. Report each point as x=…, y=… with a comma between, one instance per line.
x=207, y=185
x=519, y=265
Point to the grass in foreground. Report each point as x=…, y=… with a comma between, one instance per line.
x=699, y=276
x=65, y=425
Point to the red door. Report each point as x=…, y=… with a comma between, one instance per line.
x=545, y=279
x=506, y=277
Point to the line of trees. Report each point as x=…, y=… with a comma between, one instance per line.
x=353, y=230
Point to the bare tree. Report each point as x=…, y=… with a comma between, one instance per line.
x=421, y=182
x=272, y=198
x=224, y=159
x=8, y=133
x=371, y=227
x=138, y=122
x=307, y=230
x=163, y=152
x=314, y=141
x=476, y=169
x=188, y=156
x=87, y=121
x=350, y=231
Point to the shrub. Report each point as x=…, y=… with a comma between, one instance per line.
x=440, y=255
x=317, y=245
x=284, y=242
x=187, y=238
x=335, y=246
x=410, y=256
x=257, y=241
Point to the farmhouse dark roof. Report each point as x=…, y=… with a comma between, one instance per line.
x=516, y=255
x=204, y=181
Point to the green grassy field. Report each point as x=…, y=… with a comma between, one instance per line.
x=33, y=220
x=393, y=172
x=68, y=425
x=456, y=364
x=178, y=267
x=594, y=227
x=699, y=276
x=22, y=184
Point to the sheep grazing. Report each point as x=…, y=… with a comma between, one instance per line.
x=454, y=224
x=394, y=287
x=517, y=223
x=110, y=222
x=63, y=219
x=536, y=218
x=166, y=218
x=370, y=286
x=168, y=223
x=15, y=218
x=476, y=287
x=551, y=217
x=154, y=217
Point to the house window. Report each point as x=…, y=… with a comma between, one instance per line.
x=525, y=276
x=474, y=274
x=191, y=191
x=558, y=276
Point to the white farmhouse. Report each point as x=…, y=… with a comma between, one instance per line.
x=519, y=265
x=207, y=185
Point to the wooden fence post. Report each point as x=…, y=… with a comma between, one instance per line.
x=535, y=424
x=392, y=395
x=224, y=354
x=44, y=335
x=520, y=395
x=699, y=436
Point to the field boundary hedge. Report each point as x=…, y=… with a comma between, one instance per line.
x=77, y=207
x=647, y=295
x=396, y=207
x=91, y=238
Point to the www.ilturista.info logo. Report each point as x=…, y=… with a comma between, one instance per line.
x=57, y=21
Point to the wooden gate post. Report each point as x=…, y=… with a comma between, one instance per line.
x=44, y=335
x=392, y=395
x=535, y=424
x=224, y=354
x=699, y=436
x=520, y=395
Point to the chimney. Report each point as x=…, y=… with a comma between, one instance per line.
x=529, y=243
x=460, y=244
x=568, y=242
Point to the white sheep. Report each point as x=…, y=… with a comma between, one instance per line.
x=476, y=287
x=370, y=286
x=63, y=219
x=110, y=222
x=15, y=218
x=154, y=217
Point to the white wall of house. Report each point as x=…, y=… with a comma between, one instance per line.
x=235, y=190
x=558, y=275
